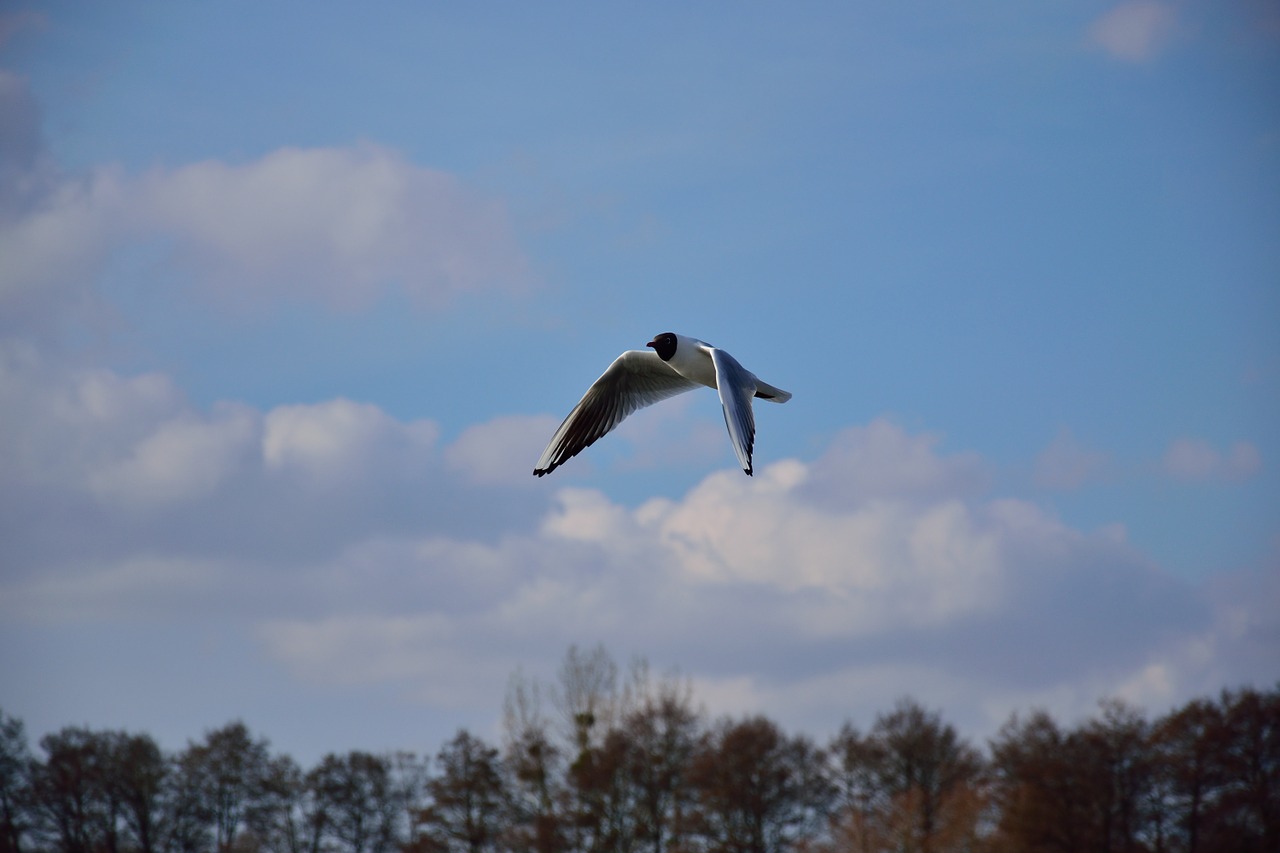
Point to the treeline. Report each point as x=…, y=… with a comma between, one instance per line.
x=595, y=762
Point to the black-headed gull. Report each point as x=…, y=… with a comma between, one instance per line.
x=640, y=378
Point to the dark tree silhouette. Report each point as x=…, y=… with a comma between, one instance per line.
x=586, y=694
x=138, y=773
x=662, y=731
x=408, y=789
x=860, y=805
x=228, y=770
x=1185, y=746
x=604, y=808
x=931, y=776
x=1117, y=754
x=587, y=697
x=75, y=806
x=189, y=817
x=1040, y=789
x=286, y=816
x=15, y=784
x=1251, y=770
x=1203, y=779
x=468, y=798
x=362, y=805
x=757, y=790
x=637, y=769
x=533, y=765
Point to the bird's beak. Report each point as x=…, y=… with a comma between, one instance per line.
x=653, y=343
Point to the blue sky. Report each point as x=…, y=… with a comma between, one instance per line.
x=292, y=296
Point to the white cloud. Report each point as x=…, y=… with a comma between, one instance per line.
x=764, y=593
x=502, y=450
x=881, y=461
x=1066, y=464
x=1135, y=30
x=341, y=440
x=882, y=562
x=61, y=424
x=1194, y=459
x=360, y=552
x=55, y=249
x=135, y=442
x=183, y=458
x=338, y=226
x=363, y=555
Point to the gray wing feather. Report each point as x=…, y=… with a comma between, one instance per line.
x=636, y=379
x=737, y=386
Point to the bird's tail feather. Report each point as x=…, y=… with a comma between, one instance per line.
x=765, y=391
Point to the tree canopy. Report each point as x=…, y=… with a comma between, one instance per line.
x=631, y=764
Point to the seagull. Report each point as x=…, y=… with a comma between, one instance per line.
x=640, y=378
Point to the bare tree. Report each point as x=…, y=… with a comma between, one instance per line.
x=662, y=727
x=138, y=774
x=408, y=790
x=468, y=799
x=1250, y=806
x=188, y=825
x=1041, y=791
x=361, y=802
x=604, y=808
x=930, y=775
x=860, y=803
x=227, y=771
x=586, y=694
x=758, y=791
x=637, y=770
x=533, y=764
x=1185, y=745
x=1117, y=750
x=15, y=784
x=76, y=807
x=1087, y=789
x=285, y=816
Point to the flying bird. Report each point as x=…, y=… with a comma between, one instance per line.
x=640, y=378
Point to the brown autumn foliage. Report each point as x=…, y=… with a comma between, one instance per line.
x=599, y=762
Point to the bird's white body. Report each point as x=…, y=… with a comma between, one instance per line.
x=639, y=378
x=692, y=360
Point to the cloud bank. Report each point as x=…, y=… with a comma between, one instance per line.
x=361, y=552
x=335, y=226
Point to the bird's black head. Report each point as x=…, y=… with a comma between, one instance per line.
x=664, y=345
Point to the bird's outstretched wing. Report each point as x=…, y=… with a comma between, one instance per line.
x=737, y=386
x=636, y=379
